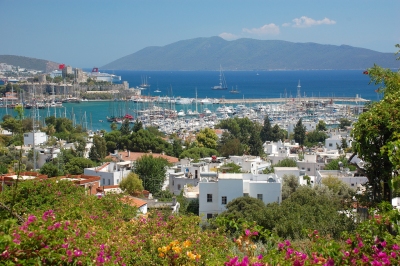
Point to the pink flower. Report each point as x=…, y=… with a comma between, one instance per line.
x=356, y=250
x=393, y=254
x=48, y=214
x=349, y=241
x=57, y=225
x=247, y=232
x=77, y=252
x=280, y=246
x=365, y=258
x=260, y=257
x=287, y=243
x=255, y=233
x=360, y=244
x=383, y=243
x=31, y=219
x=395, y=247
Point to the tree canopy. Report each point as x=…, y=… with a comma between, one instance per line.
x=377, y=135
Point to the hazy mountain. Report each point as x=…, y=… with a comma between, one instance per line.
x=250, y=54
x=29, y=63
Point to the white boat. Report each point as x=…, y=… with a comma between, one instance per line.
x=181, y=113
x=222, y=82
x=180, y=100
x=234, y=91
x=207, y=111
x=98, y=76
x=205, y=101
x=157, y=91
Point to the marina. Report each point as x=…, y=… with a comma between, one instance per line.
x=185, y=101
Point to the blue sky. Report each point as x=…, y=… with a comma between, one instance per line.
x=88, y=33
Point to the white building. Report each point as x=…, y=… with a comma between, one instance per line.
x=110, y=173
x=281, y=171
x=345, y=175
x=215, y=193
x=40, y=138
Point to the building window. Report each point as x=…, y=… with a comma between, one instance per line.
x=224, y=200
x=245, y=194
x=308, y=169
x=209, y=215
x=109, y=182
x=330, y=144
x=104, y=181
x=260, y=196
x=179, y=186
x=209, y=197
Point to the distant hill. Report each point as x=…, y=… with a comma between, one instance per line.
x=29, y=63
x=250, y=54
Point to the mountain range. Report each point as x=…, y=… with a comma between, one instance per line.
x=242, y=54
x=250, y=54
x=29, y=63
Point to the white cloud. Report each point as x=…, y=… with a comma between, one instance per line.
x=228, y=36
x=264, y=30
x=304, y=22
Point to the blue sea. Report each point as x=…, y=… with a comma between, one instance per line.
x=250, y=84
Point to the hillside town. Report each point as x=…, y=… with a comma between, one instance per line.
x=229, y=169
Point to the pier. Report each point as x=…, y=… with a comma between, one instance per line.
x=302, y=99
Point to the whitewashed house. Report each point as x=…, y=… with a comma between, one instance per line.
x=215, y=193
x=110, y=173
x=38, y=138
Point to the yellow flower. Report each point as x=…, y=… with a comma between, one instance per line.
x=163, y=249
x=177, y=249
x=198, y=256
x=253, y=246
x=191, y=255
x=186, y=244
x=161, y=255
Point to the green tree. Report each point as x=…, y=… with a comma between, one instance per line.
x=289, y=185
x=50, y=169
x=125, y=128
x=266, y=130
x=335, y=164
x=321, y=126
x=338, y=187
x=114, y=126
x=152, y=172
x=12, y=125
x=277, y=133
x=376, y=135
x=314, y=137
x=207, y=138
x=137, y=126
x=131, y=184
x=98, y=151
x=229, y=145
x=300, y=132
x=246, y=207
x=344, y=122
x=76, y=165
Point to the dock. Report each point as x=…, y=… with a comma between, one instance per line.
x=302, y=99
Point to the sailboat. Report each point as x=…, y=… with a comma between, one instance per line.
x=144, y=84
x=222, y=82
x=234, y=91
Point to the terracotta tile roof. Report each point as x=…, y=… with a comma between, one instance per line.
x=135, y=202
